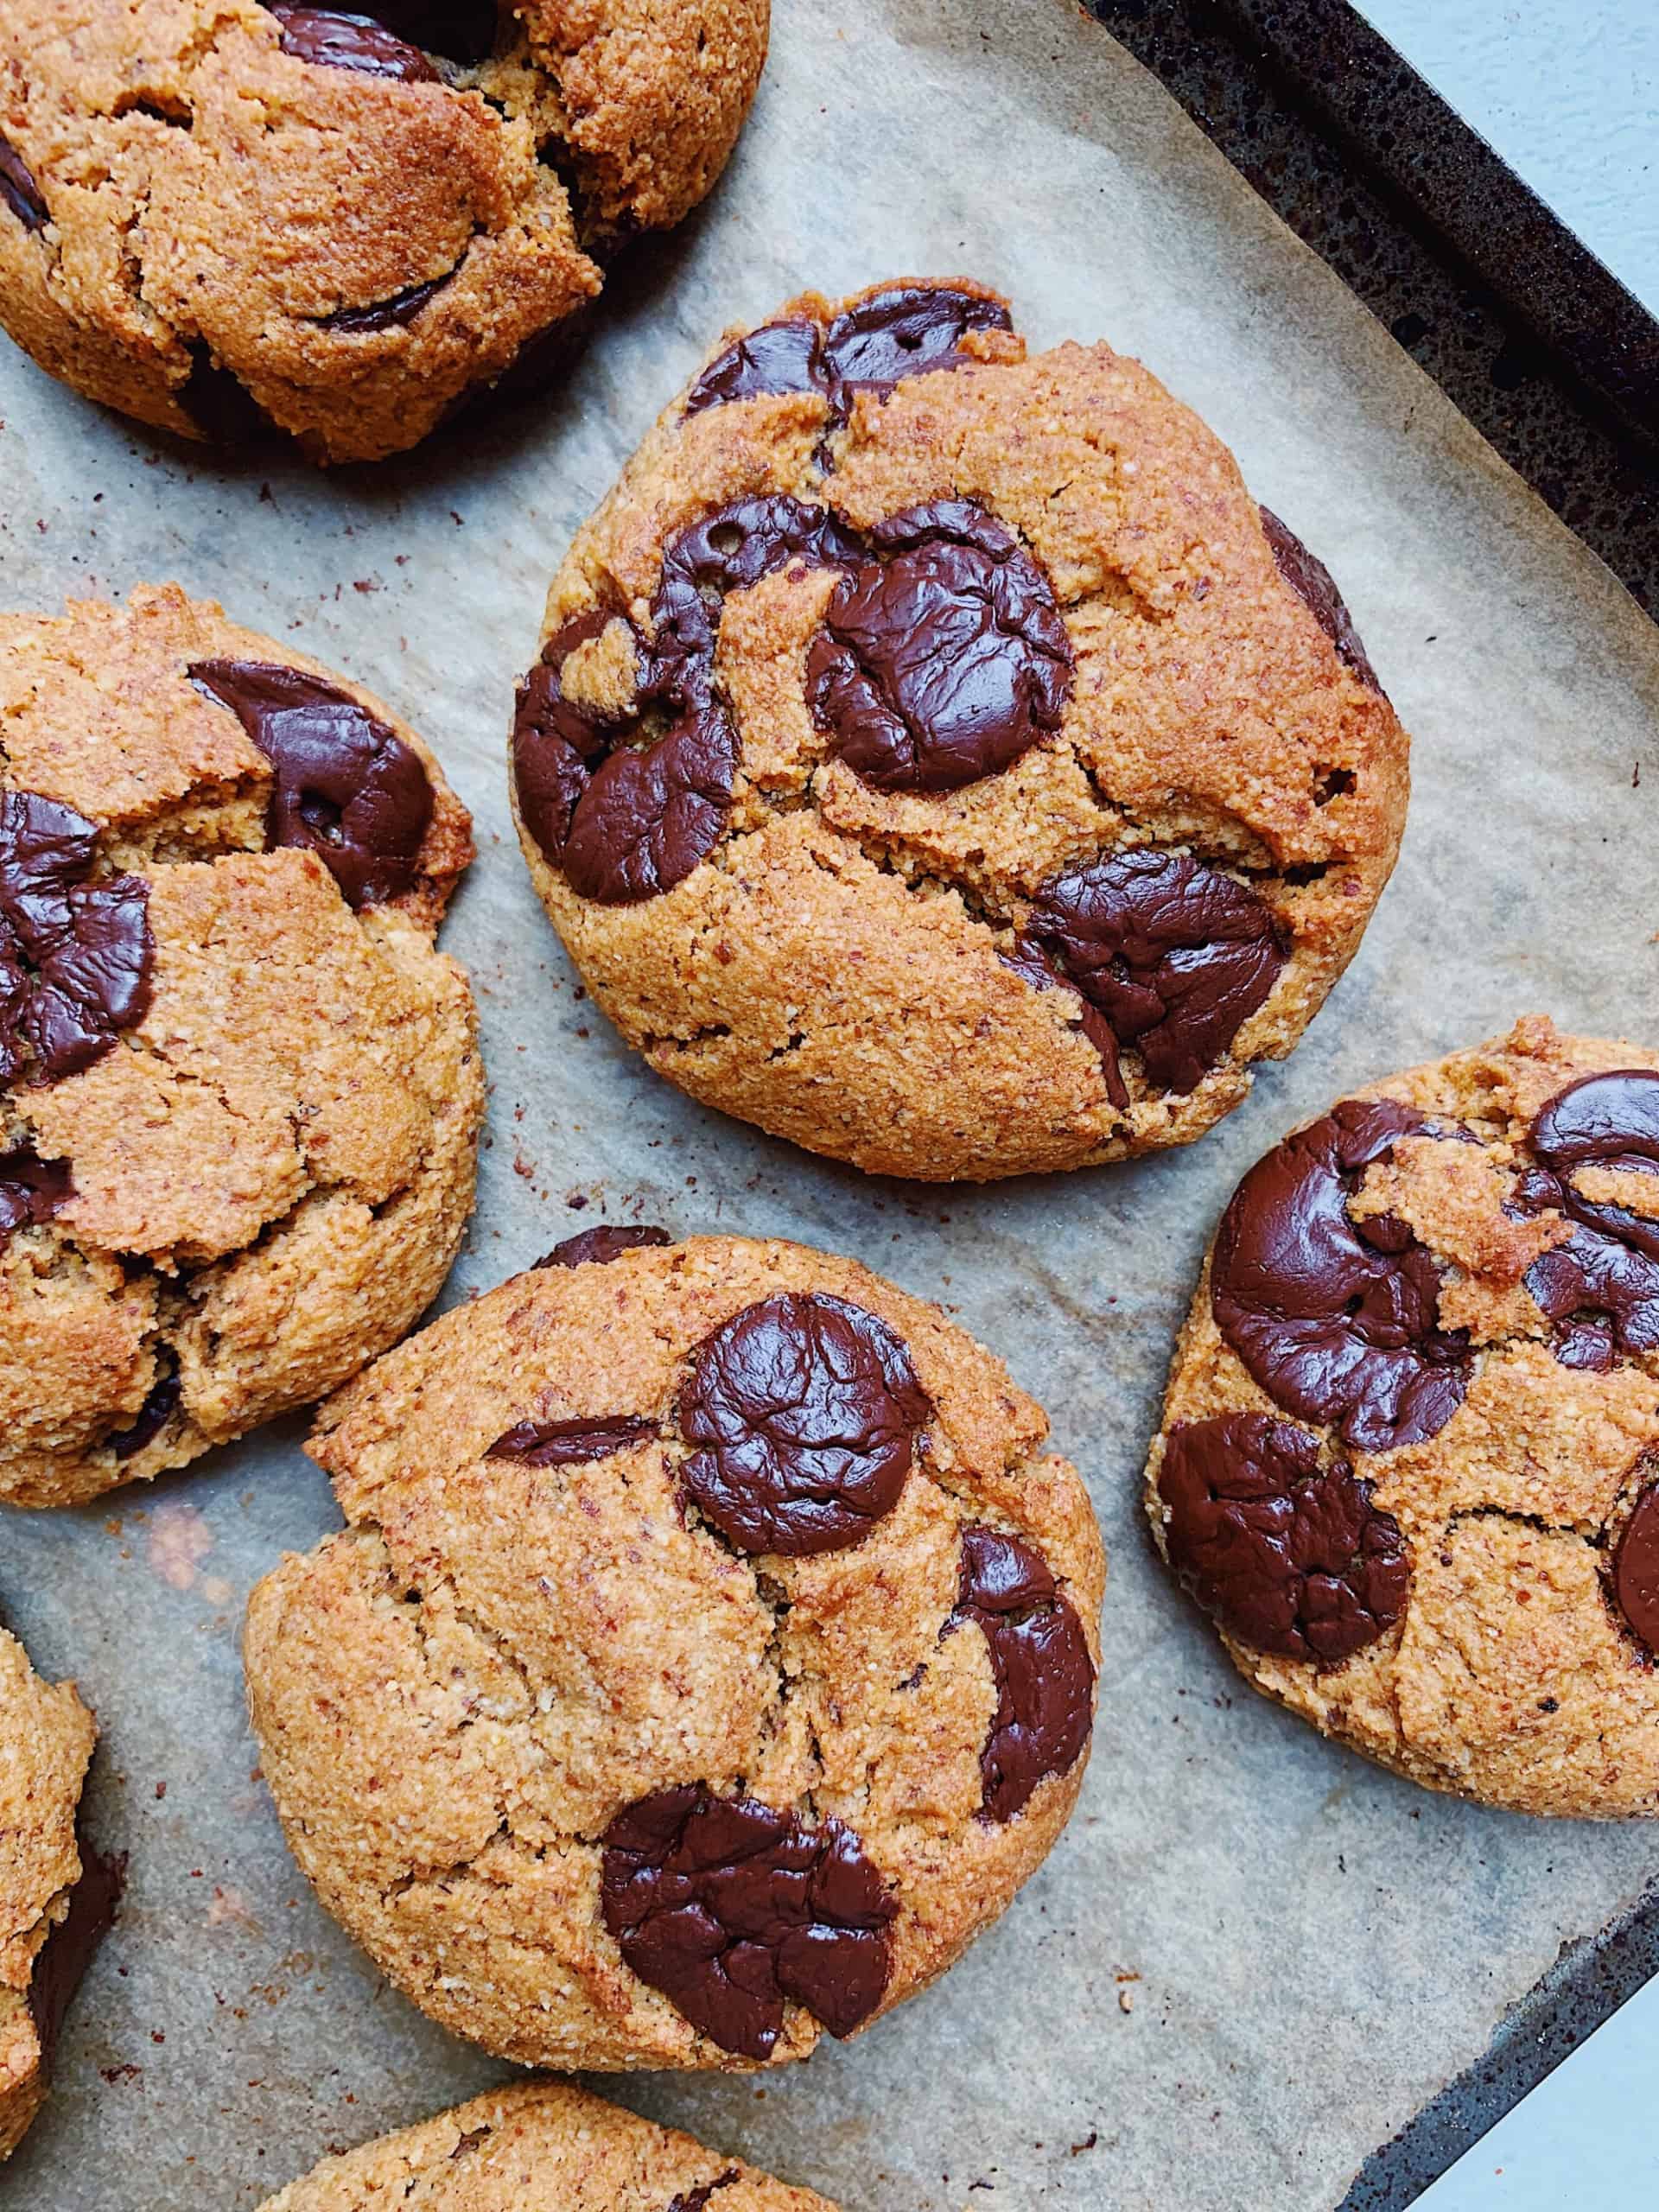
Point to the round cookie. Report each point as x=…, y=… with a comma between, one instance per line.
x=341, y=223
x=240, y=1088
x=937, y=757
x=1410, y=1450
x=711, y=1654
x=546, y=2146
x=57, y=1896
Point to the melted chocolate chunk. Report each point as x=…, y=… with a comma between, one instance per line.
x=1043, y=1675
x=1176, y=955
x=567, y=1443
x=395, y=313
x=593, y=1247
x=1336, y=1320
x=19, y=190
x=731, y=1908
x=807, y=1410
x=1604, y=1281
x=1585, y=1343
x=902, y=332
x=1029, y=961
x=31, y=1189
x=162, y=1402
x=697, y=2200
x=779, y=356
x=75, y=954
x=1315, y=586
x=627, y=825
x=1288, y=1556
x=1635, y=1569
x=330, y=39
x=943, y=658
x=346, y=787
x=67, y=1951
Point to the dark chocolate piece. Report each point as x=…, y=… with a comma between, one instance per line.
x=1039, y=1660
x=1605, y=1277
x=75, y=952
x=220, y=404
x=1288, y=1556
x=569, y=1443
x=1174, y=953
x=1335, y=1320
x=779, y=356
x=346, y=787
x=1315, y=586
x=697, y=2200
x=943, y=658
x=161, y=1401
x=19, y=190
x=67, y=1951
x=1635, y=1569
x=31, y=1189
x=731, y=1908
x=806, y=1410
x=593, y=1247
x=330, y=39
x=395, y=313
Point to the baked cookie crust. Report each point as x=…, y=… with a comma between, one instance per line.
x=709, y=1656
x=1409, y=1458
x=937, y=757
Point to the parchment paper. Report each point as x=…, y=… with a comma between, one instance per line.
x=1252, y=1956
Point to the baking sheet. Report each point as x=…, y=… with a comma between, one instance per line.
x=1251, y=1957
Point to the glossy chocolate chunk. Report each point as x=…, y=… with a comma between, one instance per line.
x=1605, y=1280
x=330, y=39
x=806, y=1410
x=18, y=189
x=163, y=1400
x=567, y=1443
x=627, y=823
x=75, y=952
x=1175, y=954
x=1028, y=959
x=1315, y=586
x=346, y=787
x=1288, y=1556
x=1039, y=1662
x=593, y=1247
x=395, y=313
x=731, y=1909
x=1635, y=1569
x=31, y=1189
x=1337, y=1320
x=902, y=332
x=943, y=658
x=67, y=1951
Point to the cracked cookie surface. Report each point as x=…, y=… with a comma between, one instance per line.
x=598, y=1778
x=242, y=1090
x=53, y=1902
x=1409, y=1459
x=213, y=211
x=936, y=757
x=546, y=2146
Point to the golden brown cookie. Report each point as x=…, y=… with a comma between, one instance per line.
x=56, y=1895
x=1410, y=1453
x=937, y=757
x=343, y=222
x=240, y=1088
x=546, y=2146
x=710, y=1655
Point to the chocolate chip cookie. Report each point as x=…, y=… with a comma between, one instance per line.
x=710, y=1655
x=936, y=755
x=239, y=1090
x=1410, y=1454
x=341, y=222
x=546, y=2146
x=56, y=1895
